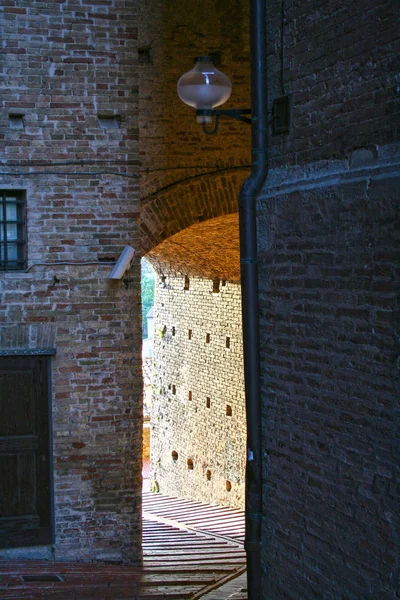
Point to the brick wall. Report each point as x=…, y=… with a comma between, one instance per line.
x=330, y=399
x=209, y=250
x=328, y=239
x=198, y=403
x=172, y=145
x=64, y=63
x=340, y=69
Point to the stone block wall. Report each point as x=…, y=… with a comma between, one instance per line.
x=65, y=64
x=198, y=423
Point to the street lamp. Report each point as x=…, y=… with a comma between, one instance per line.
x=194, y=96
x=204, y=88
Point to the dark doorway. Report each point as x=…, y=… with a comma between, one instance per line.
x=25, y=459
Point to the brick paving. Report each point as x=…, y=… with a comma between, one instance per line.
x=234, y=590
x=180, y=561
x=104, y=582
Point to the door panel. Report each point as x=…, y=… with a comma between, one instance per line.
x=18, y=495
x=17, y=391
x=25, y=492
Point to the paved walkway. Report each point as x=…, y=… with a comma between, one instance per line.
x=208, y=539
x=234, y=590
x=190, y=549
x=101, y=582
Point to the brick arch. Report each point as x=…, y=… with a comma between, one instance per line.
x=187, y=204
x=209, y=250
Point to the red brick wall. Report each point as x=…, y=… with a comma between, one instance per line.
x=64, y=63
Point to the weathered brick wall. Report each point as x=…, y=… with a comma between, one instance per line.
x=63, y=64
x=328, y=240
x=340, y=68
x=328, y=286
x=172, y=145
x=198, y=403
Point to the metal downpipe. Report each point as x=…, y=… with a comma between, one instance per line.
x=249, y=281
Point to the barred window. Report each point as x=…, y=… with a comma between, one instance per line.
x=12, y=230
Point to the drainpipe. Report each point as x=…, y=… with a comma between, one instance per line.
x=249, y=280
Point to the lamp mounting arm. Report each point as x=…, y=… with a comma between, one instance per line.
x=232, y=113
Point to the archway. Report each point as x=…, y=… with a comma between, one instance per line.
x=186, y=202
x=198, y=419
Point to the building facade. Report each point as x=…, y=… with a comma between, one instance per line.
x=70, y=337
x=88, y=105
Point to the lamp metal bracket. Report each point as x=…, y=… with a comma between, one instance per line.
x=232, y=113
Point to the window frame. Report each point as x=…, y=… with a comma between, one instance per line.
x=19, y=264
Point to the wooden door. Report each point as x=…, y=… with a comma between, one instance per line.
x=25, y=491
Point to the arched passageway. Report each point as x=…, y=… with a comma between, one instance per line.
x=198, y=427
x=189, y=202
x=208, y=250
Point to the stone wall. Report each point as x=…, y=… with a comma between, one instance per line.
x=198, y=425
x=64, y=65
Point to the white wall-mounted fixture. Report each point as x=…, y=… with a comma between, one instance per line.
x=204, y=87
x=123, y=263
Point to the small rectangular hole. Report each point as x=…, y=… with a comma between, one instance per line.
x=228, y=410
x=208, y=338
x=174, y=389
x=216, y=283
x=208, y=402
x=109, y=121
x=144, y=56
x=228, y=342
x=107, y=259
x=16, y=121
x=281, y=115
x=190, y=395
x=189, y=334
x=187, y=283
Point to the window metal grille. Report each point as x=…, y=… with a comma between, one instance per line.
x=12, y=230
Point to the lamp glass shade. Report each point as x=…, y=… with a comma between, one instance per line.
x=204, y=87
